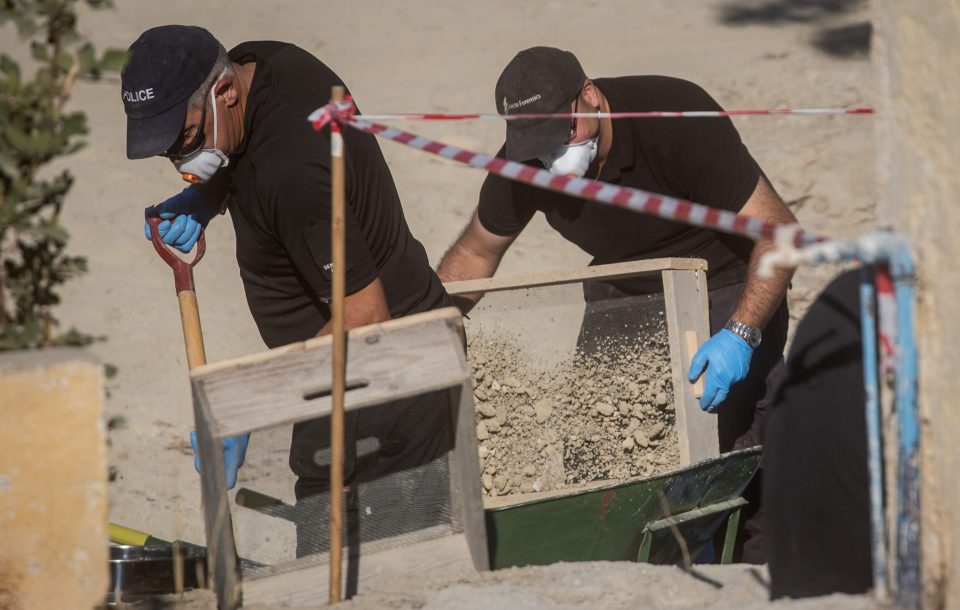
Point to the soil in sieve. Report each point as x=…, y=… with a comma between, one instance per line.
x=600, y=416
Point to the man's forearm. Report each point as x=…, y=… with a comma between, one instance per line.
x=476, y=254
x=366, y=306
x=761, y=297
x=459, y=263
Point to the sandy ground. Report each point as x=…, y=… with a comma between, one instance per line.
x=428, y=56
x=567, y=586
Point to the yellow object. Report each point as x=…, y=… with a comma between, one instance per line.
x=126, y=535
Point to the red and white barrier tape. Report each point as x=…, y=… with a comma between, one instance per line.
x=663, y=206
x=484, y=116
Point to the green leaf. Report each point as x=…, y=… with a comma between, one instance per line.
x=74, y=124
x=39, y=51
x=10, y=70
x=75, y=338
x=52, y=231
x=64, y=61
x=19, y=140
x=87, y=58
x=113, y=60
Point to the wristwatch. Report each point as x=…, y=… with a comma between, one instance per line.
x=750, y=334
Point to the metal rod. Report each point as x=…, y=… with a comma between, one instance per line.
x=868, y=333
x=909, y=586
x=339, y=353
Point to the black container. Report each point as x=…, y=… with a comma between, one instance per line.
x=137, y=572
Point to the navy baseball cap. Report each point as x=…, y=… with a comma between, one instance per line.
x=539, y=80
x=166, y=65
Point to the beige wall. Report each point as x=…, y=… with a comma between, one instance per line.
x=53, y=481
x=918, y=60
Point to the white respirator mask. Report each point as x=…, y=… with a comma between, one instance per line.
x=200, y=165
x=572, y=159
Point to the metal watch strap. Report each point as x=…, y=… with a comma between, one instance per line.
x=750, y=334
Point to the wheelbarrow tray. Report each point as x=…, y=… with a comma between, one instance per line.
x=634, y=520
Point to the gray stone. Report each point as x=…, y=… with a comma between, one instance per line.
x=543, y=409
x=487, y=482
x=604, y=408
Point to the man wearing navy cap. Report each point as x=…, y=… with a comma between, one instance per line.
x=235, y=126
x=697, y=159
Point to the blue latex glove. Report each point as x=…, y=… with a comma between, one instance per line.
x=184, y=216
x=726, y=359
x=234, y=450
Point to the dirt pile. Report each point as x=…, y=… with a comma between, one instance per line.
x=607, y=415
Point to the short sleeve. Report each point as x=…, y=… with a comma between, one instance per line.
x=301, y=215
x=503, y=209
x=707, y=161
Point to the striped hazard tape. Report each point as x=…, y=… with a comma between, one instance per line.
x=663, y=206
x=653, y=114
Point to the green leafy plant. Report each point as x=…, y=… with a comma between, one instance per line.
x=36, y=129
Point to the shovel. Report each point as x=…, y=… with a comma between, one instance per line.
x=190, y=319
x=186, y=293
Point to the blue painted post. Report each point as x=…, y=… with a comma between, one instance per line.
x=909, y=590
x=868, y=333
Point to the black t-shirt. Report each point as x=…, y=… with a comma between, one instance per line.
x=699, y=159
x=279, y=200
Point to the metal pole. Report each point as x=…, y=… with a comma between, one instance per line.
x=909, y=586
x=868, y=333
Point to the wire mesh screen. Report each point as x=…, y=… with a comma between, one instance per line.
x=397, y=478
x=569, y=392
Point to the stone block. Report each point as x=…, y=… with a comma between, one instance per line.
x=53, y=481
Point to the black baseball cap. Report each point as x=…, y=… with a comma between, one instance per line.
x=539, y=80
x=166, y=65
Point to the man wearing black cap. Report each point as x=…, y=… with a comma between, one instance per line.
x=235, y=126
x=698, y=159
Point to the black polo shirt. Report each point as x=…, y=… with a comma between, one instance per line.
x=279, y=201
x=699, y=159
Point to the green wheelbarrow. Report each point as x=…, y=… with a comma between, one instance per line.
x=637, y=520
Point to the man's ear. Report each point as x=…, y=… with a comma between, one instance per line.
x=227, y=89
x=590, y=94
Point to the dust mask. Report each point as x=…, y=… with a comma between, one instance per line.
x=200, y=165
x=572, y=159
